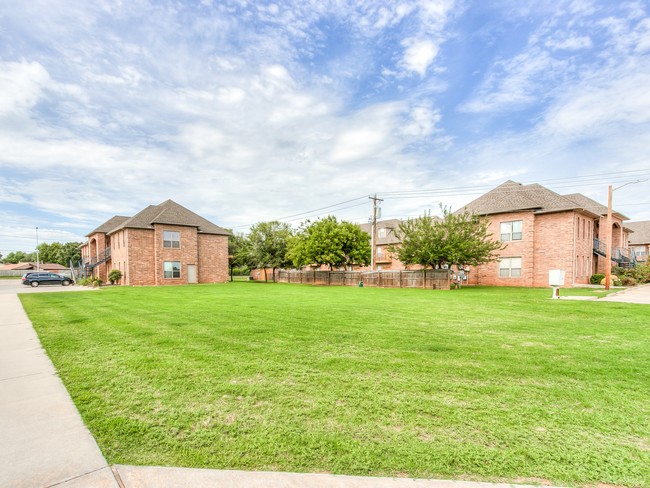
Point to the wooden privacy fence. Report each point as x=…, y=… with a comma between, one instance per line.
x=437, y=279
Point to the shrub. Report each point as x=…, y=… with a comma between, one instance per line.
x=97, y=282
x=613, y=280
x=84, y=281
x=114, y=276
x=596, y=279
x=628, y=281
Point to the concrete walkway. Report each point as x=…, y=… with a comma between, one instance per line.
x=44, y=442
x=638, y=294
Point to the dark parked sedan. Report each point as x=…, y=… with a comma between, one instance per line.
x=36, y=279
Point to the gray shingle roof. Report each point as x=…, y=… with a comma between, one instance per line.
x=515, y=197
x=592, y=205
x=168, y=212
x=109, y=225
x=641, y=232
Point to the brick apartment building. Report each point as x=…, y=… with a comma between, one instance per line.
x=639, y=240
x=541, y=230
x=164, y=244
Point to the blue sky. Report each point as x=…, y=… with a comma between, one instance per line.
x=251, y=111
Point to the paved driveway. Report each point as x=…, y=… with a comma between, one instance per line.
x=11, y=287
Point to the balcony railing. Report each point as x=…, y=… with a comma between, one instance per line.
x=623, y=256
x=100, y=258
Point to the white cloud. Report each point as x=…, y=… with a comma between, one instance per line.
x=418, y=55
x=588, y=111
x=574, y=43
x=515, y=82
x=21, y=85
x=421, y=122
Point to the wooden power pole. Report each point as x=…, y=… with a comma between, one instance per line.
x=373, y=244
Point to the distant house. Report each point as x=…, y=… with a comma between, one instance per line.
x=639, y=240
x=160, y=245
x=386, y=236
x=543, y=230
x=50, y=267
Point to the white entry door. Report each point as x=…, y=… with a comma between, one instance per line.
x=191, y=273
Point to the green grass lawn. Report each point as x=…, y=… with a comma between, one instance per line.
x=480, y=383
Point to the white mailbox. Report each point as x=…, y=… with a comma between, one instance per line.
x=556, y=277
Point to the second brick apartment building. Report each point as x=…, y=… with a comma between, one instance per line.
x=541, y=230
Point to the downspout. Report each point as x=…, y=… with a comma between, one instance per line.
x=573, y=255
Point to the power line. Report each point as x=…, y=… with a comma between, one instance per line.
x=565, y=182
x=310, y=213
x=577, y=181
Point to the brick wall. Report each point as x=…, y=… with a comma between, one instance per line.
x=119, y=255
x=213, y=258
x=562, y=240
x=187, y=254
x=140, y=263
x=488, y=274
x=554, y=246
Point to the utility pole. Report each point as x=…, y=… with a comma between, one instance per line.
x=608, y=253
x=373, y=243
x=38, y=262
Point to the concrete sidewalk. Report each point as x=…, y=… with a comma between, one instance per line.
x=638, y=294
x=45, y=443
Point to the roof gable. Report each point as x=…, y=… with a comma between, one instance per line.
x=640, y=232
x=515, y=197
x=170, y=213
x=109, y=225
x=592, y=205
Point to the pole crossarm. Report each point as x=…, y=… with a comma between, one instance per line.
x=608, y=256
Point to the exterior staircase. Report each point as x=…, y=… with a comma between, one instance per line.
x=94, y=261
x=623, y=257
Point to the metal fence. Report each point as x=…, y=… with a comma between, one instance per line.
x=437, y=279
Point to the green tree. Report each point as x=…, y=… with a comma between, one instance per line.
x=458, y=239
x=330, y=242
x=239, y=255
x=267, y=245
x=19, y=257
x=60, y=253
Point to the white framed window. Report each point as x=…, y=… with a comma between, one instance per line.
x=171, y=239
x=639, y=251
x=509, y=267
x=379, y=252
x=382, y=232
x=172, y=269
x=512, y=231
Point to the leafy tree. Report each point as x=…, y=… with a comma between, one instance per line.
x=459, y=239
x=60, y=253
x=239, y=255
x=330, y=242
x=19, y=257
x=267, y=245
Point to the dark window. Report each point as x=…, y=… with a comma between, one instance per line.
x=512, y=231
x=171, y=239
x=172, y=269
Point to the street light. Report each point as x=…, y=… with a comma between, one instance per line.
x=608, y=256
x=38, y=264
